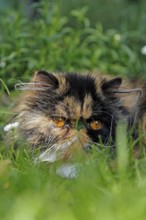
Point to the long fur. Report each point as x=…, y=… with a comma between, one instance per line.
x=77, y=97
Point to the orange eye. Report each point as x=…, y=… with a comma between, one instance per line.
x=95, y=125
x=59, y=122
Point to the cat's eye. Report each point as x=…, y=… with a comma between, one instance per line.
x=59, y=122
x=95, y=125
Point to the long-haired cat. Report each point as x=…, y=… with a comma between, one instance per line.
x=61, y=113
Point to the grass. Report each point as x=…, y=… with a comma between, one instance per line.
x=101, y=191
x=4, y=85
x=106, y=188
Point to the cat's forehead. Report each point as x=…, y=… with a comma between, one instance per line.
x=75, y=84
x=67, y=95
x=81, y=85
x=78, y=98
x=70, y=107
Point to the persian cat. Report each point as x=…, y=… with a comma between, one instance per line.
x=61, y=113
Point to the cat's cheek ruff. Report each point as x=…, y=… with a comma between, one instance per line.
x=66, y=149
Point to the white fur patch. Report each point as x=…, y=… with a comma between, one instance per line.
x=68, y=171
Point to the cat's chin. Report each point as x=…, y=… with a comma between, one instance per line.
x=65, y=151
x=69, y=169
x=55, y=152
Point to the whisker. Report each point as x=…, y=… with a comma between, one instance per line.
x=31, y=86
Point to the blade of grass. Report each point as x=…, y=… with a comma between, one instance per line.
x=6, y=88
x=122, y=149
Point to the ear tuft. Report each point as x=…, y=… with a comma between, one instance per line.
x=112, y=84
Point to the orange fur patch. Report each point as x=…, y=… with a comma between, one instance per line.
x=87, y=107
x=73, y=107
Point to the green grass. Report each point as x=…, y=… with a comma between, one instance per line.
x=102, y=190
x=106, y=188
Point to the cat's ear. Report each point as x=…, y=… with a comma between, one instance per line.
x=46, y=79
x=128, y=95
x=114, y=86
x=111, y=85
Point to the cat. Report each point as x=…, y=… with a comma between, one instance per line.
x=62, y=113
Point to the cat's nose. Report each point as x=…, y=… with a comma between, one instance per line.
x=79, y=124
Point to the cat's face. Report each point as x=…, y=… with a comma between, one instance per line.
x=64, y=112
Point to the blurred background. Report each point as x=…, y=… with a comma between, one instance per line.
x=104, y=35
x=60, y=35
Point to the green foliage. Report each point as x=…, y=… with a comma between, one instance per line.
x=49, y=42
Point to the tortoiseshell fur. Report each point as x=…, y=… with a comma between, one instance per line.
x=80, y=97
